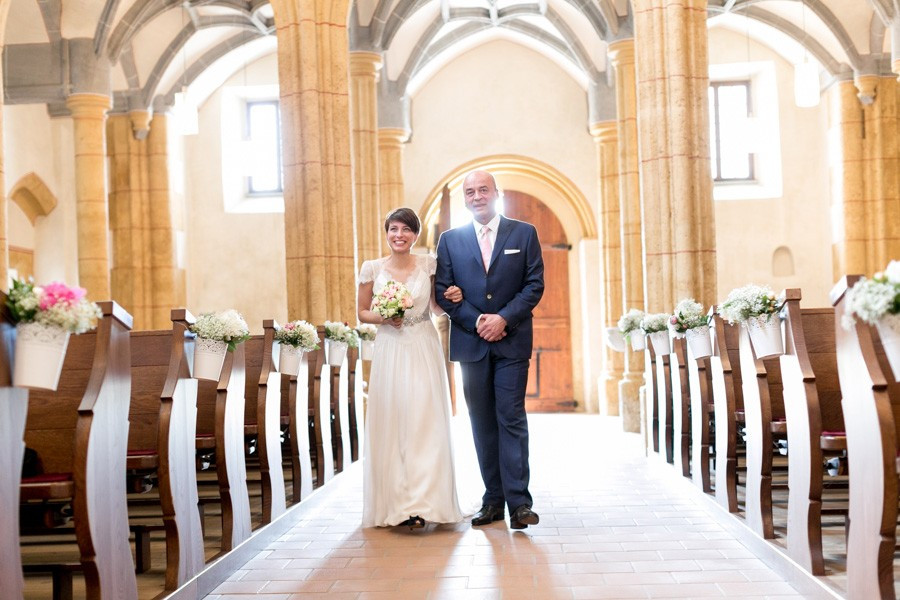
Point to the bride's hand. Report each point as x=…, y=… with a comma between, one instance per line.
x=454, y=294
x=396, y=322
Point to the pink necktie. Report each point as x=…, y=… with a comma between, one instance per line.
x=485, y=247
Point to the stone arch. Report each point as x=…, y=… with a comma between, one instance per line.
x=33, y=197
x=783, y=262
x=527, y=175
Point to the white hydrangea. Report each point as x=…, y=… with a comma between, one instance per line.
x=367, y=332
x=341, y=332
x=630, y=321
x=892, y=273
x=298, y=334
x=749, y=301
x=869, y=300
x=225, y=326
x=655, y=322
x=688, y=315
x=77, y=318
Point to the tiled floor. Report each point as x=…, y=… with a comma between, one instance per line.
x=612, y=526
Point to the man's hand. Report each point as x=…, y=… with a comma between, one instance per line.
x=492, y=328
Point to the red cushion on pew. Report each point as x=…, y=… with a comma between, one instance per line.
x=835, y=433
x=142, y=459
x=47, y=478
x=47, y=486
x=142, y=452
x=206, y=441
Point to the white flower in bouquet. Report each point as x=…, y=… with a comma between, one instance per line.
x=367, y=332
x=53, y=304
x=341, y=332
x=630, y=321
x=655, y=322
x=871, y=299
x=298, y=334
x=749, y=301
x=392, y=301
x=227, y=326
x=688, y=315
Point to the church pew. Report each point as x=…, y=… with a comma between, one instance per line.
x=163, y=418
x=220, y=426
x=354, y=399
x=702, y=411
x=728, y=397
x=651, y=413
x=268, y=413
x=812, y=402
x=319, y=410
x=299, y=402
x=80, y=435
x=764, y=418
x=664, y=406
x=13, y=411
x=681, y=422
x=871, y=407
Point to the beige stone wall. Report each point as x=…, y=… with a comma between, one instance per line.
x=234, y=260
x=748, y=232
x=33, y=142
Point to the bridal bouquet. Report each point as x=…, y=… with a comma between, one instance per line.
x=54, y=304
x=392, y=301
x=298, y=334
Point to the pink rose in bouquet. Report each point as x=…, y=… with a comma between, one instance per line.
x=392, y=301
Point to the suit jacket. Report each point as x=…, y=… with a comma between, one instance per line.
x=512, y=287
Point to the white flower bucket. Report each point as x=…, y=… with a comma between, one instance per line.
x=335, y=352
x=209, y=355
x=765, y=334
x=289, y=359
x=661, y=342
x=699, y=341
x=40, y=352
x=638, y=340
x=889, y=331
x=367, y=349
x=614, y=339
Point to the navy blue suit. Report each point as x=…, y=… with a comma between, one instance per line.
x=495, y=374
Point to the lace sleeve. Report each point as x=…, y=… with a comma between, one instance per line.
x=367, y=272
x=430, y=265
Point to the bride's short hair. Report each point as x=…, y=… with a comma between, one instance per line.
x=407, y=216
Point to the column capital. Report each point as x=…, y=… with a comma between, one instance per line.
x=392, y=136
x=88, y=105
x=605, y=131
x=621, y=52
x=867, y=85
x=365, y=63
x=140, y=123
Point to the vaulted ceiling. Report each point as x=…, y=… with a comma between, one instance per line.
x=152, y=48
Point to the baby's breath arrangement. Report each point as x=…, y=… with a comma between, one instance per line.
x=298, y=334
x=871, y=299
x=367, y=332
x=655, y=322
x=341, y=332
x=630, y=321
x=227, y=326
x=750, y=301
x=688, y=315
x=54, y=304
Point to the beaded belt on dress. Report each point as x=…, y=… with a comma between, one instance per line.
x=423, y=316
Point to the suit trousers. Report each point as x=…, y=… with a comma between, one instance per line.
x=495, y=395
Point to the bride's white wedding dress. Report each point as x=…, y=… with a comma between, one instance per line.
x=408, y=466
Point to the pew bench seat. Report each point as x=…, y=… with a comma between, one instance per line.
x=779, y=427
x=833, y=440
x=142, y=460
x=47, y=486
x=206, y=441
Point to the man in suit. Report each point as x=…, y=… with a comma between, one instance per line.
x=497, y=262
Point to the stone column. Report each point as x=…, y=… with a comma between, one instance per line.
x=4, y=222
x=621, y=57
x=867, y=186
x=320, y=244
x=165, y=291
x=364, y=67
x=609, y=220
x=390, y=160
x=673, y=120
x=89, y=115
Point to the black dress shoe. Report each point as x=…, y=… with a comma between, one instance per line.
x=416, y=522
x=488, y=514
x=522, y=517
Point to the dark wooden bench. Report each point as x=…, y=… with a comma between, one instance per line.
x=702, y=412
x=220, y=428
x=871, y=406
x=764, y=419
x=663, y=382
x=812, y=402
x=13, y=412
x=728, y=398
x=651, y=399
x=681, y=401
x=354, y=399
x=300, y=406
x=319, y=410
x=80, y=435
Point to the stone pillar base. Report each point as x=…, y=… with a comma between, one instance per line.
x=609, y=383
x=630, y=402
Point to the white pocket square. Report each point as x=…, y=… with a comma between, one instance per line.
x=511, y=251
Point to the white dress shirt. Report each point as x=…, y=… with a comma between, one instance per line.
x=492, y=226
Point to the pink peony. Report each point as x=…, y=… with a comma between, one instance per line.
x=59, y=293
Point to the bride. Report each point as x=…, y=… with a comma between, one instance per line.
x=408, y=474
